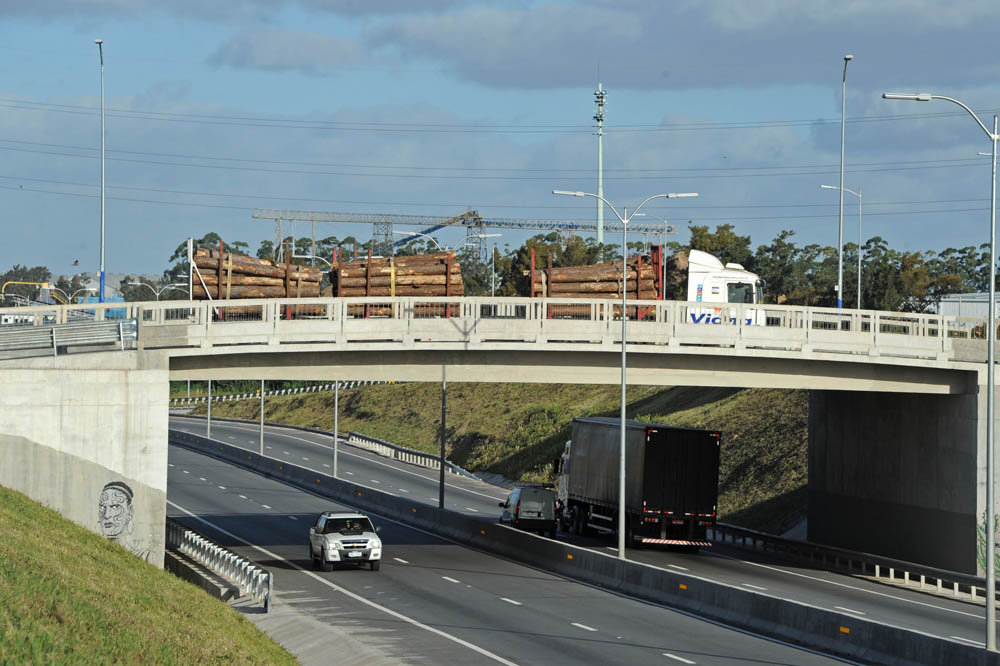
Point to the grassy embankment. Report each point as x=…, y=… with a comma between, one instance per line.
x=71, y=597
x=517, y=430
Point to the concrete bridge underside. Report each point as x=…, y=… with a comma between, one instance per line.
x=896, y=462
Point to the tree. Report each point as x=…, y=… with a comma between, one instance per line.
x=24, y=274
x=724, y=244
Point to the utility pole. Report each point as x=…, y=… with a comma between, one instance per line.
x=599, y=95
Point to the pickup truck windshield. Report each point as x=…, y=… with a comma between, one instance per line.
x=347, y=526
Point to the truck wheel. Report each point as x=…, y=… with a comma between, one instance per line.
x=376, y=564
x=324, y=565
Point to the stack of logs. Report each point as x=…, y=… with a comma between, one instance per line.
x=233, y=276
x=419, y=275
x=598, y=281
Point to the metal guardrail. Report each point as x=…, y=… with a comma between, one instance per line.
x=183, y=402
x=403, y=454
x=251, y=578
x=123, y=332
x=883, y=569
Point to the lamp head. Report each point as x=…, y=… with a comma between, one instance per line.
x=98, y=41
x=569, y=194
x=848, y=58
x=681, y=195
x=912, y=97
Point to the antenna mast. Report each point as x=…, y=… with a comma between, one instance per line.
x=599, y=117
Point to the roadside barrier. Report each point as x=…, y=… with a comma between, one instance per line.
x=828, y=631
x=252, y=579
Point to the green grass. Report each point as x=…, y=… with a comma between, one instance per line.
x=68, y=596
x=517, y=430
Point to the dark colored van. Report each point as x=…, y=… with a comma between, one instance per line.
x=532, y=509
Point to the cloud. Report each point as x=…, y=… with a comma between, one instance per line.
x=690, y=45
x=307, y=52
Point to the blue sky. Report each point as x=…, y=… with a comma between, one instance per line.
x=430, y=107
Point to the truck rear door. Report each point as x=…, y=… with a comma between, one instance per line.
x=691, y=472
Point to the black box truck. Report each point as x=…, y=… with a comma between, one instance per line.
x=671, y=481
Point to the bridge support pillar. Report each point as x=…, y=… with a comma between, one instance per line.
x=898, y=474
x=86, y=435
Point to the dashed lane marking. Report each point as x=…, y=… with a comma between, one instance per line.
x=511, y=601
x=451, y=580
x=400, y=560
x=680, y=659
x=265, y=506
x=583, y=626
x=849, y=610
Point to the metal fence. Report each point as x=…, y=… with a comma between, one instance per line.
x=252, y=579
x=26, y=336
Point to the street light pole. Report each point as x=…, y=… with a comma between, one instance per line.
x=840, y=232
x=858, y=195
x=100, y=50
x=624, y=219
x=991, y=330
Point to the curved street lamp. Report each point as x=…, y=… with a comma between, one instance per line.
x=178, y=285
x=624, y=218
x=991, y=630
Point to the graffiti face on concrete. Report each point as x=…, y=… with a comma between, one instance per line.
x=115, y=518
x=115, y=510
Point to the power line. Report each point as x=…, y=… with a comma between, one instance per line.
x=694, y=219
x=371, y=126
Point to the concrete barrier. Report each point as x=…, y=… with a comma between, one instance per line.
x=797, y=623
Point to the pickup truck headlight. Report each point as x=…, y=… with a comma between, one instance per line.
x=334, y=543
x=375, y=543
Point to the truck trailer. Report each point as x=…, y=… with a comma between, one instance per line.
x=671, y=481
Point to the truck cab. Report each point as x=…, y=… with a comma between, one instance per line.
x=711, y=281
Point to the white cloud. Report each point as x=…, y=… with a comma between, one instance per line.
x=306, y=52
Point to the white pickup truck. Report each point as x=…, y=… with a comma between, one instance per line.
x=344, y=537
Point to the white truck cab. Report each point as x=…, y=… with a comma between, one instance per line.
x=344, y=537
x=711, y=281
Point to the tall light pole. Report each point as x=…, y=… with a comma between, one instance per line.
x=858, y=195
x=624, y=218
x=100, y=50
x=991, y=634
x=840, y=232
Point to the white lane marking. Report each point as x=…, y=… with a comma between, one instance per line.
x=755, y=587
x=374, y=480
x=611, y=548
x=325, y=465
x=583, y=626
x=304, y=458
x=222, y=487
x=849, y=610
x=680, y=659
x=293, y=517
x=348, y=593
x=351, y=473
x=403, y=490
x=286, y=453
x=451, y=580
x=968, y=640
x=186, y=472
x=469, y=508
x=850, y=587
x=269, y=447
x=511, y=601
x=171, y=464
x=265, y=506
x=277, y=430
x=434, y=499
x=230, y=437
x=243, y=496
x=680, y=568
x=250, y=441
x=401, y=560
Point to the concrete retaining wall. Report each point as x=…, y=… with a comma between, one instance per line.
x=68, y=431
x=806, y=625
x=896, y=474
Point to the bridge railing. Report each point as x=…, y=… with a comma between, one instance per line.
x=473, y=320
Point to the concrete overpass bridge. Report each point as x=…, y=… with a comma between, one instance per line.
x=897, y=400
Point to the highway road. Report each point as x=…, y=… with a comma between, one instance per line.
x=435, y=602
x=935, y=615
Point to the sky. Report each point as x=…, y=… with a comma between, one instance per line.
x=432, y=107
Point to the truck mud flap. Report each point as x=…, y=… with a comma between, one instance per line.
x=676, y=542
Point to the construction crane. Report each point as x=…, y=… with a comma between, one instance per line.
x=383, y=223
